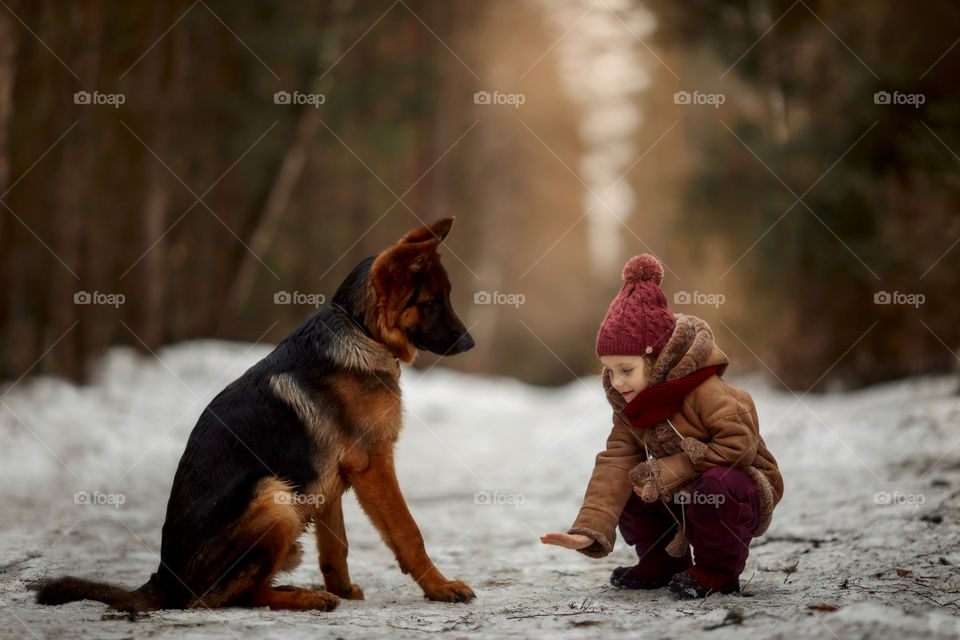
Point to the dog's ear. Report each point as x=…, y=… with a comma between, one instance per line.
x=438, y=230
x=393, y=270
x=405, y=256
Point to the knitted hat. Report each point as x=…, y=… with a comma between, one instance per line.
x=638, y=322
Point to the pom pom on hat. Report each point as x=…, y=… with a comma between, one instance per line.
x=638, y=322
x=643, y=267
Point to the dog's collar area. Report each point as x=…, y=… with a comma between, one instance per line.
x=359, y=324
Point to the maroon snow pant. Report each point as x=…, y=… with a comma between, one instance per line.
x=722, y=510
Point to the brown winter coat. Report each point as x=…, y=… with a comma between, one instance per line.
x=719, y=415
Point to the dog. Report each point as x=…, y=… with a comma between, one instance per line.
x=278, y=447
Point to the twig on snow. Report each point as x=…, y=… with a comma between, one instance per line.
x=790, y=571
x=544, y=615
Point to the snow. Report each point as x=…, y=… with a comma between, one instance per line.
x=487, y=465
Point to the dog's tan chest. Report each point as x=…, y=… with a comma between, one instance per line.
x=372, y=407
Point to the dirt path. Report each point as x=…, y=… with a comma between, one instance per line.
x=864, y=543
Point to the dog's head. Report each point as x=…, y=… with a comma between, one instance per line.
x=408, y=297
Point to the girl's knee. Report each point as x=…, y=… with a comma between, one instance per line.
x=725, y=478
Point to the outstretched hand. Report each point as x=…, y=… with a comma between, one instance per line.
x=568, y=540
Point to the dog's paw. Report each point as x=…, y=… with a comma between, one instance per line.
x=353, y=592
x=451, y=591
x=323, y=600
x=290, y=598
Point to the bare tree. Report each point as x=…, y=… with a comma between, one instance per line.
x=281, y=191
x=9, y=43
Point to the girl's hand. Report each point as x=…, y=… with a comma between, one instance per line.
x=568, y=540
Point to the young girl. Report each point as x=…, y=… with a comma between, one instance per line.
x=685, y=464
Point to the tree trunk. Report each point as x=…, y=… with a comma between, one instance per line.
x=9, y=43
x=279, y=196
x=75, y=179
x=166, y=96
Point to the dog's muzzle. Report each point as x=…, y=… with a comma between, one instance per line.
x=463, y=343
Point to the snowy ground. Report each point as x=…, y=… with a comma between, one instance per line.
x=864, y=544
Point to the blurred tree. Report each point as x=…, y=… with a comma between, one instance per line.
x=9, y=42
x=171, y=198
x=876, y=182
x=198, y=197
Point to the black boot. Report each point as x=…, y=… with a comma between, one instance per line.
x=636, y=577
x=697, y=582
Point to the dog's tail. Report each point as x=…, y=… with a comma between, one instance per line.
x=149, y=597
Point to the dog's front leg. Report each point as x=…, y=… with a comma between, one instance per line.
x=332, y=547
x=379, y=495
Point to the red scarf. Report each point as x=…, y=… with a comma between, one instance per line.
x=656, y=403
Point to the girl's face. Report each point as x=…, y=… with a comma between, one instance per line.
x=628, y=374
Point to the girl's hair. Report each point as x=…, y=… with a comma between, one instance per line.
x=649, y=362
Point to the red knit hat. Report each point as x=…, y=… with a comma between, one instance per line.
x=638, y=322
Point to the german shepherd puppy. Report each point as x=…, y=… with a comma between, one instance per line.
x=277, y=448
